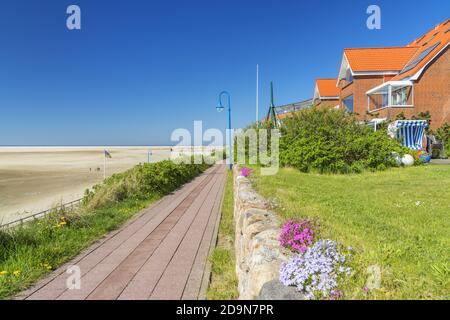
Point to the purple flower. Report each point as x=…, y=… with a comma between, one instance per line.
x=297, y=235
x=317, y=271
x=245, y=172
x=335, y=295
x=365, y=290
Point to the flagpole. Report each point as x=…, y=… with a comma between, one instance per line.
x=257, y=94
x=104, y=165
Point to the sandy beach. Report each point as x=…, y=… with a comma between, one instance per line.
x=33, y=179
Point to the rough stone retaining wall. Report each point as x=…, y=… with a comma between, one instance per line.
x=258, y=253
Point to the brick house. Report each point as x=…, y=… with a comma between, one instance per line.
x=379, y=83
x=326, y=94
x=365, y=68
x=422, y=85
x=382, y=82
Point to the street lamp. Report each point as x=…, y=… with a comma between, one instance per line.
x=220, y=108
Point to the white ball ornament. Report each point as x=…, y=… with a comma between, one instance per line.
x=407, y=160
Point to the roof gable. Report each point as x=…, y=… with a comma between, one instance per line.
x=379, y=59
x=327, y=87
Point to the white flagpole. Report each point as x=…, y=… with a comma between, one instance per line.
x=257, y=94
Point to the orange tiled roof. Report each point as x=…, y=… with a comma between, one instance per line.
x=282, y=116
x=437, y=38
x=379, y=59
x=327, y=87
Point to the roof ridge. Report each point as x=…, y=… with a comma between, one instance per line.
x=392, y=47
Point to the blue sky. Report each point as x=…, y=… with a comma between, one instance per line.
x=139, y=69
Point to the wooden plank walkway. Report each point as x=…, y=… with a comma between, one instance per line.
x=160, y=254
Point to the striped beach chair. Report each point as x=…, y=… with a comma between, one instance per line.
x=409, y=132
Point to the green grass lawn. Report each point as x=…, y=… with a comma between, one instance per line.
x=398, y=220
x=224, y=281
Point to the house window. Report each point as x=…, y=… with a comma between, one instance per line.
x=400, y=97
x=348, y=103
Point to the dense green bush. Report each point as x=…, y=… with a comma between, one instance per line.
x=443, y=134
x=329, y=140
x=141, y=182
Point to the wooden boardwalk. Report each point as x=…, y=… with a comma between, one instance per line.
x=160, y=254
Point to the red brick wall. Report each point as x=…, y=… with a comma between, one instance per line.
x=432, y=91
x=359, y=87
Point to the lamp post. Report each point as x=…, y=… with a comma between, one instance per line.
x=220, y=108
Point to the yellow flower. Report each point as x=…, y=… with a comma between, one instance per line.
x=46, y=266
x=16, y=273
x=3, y=273
x=59, y=225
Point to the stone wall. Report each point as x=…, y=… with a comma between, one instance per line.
x=258, y=253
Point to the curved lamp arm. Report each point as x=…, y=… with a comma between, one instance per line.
x=226, y=93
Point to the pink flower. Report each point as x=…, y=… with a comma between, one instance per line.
x=245, y=172
x=297, y=236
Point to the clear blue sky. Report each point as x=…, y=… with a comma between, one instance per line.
x=139, y=68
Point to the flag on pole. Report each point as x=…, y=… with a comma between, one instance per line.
x=107, y=155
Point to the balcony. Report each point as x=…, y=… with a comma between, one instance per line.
x=391, y=94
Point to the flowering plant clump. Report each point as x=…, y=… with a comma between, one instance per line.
x=245, y=172
x=15, y=273
x=297, y=235
x=62, y=222
x=316, y=272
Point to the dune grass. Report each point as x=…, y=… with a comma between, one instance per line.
x=223, y=284
x=398, y=220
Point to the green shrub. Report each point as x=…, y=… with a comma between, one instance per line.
x=443, y=134
x=142, y=182
x=333, y=141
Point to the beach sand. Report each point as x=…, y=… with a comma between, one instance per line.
x=33, y=179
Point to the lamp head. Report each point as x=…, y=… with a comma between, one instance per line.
x=219, y=108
